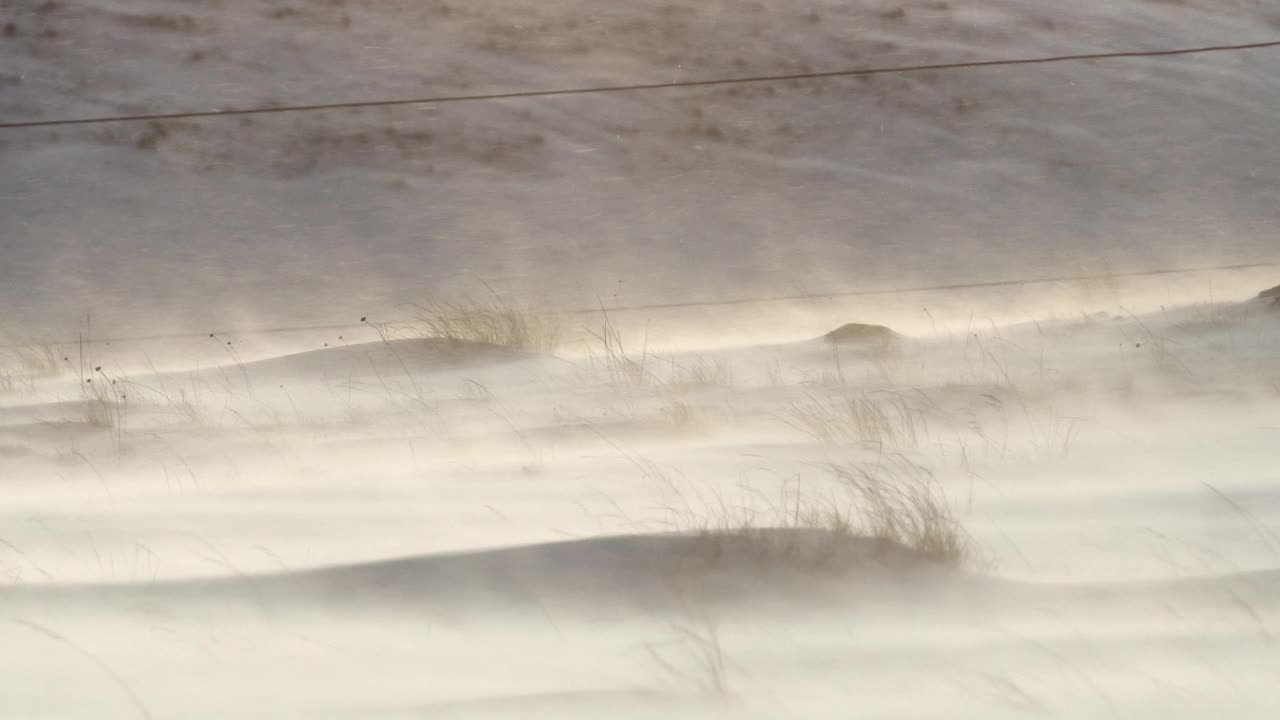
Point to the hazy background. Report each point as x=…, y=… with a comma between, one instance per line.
x=945, y=177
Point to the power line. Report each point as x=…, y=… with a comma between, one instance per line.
x=442, y=99
x=728, y=302
x=927, y=288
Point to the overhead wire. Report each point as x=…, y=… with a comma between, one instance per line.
x=635, y=87
x=690, y=304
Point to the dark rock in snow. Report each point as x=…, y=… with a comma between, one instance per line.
x=1273, y=295
x=860, y=333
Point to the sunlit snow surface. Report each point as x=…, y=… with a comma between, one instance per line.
x=410, y=528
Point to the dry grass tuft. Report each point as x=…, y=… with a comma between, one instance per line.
x=704, y=666
x=708, y=372
x=901, y=502
x=22, y=364
x=493, y=322
x=622, y=367
x=38, y=360
x=893, y=501
x=106, y=404
x=882, y=420
x=681, y=416
x=753, y=521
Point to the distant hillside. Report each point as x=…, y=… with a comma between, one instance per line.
x=673, y=194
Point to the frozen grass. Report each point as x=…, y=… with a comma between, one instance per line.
x=621, y=366
x=33, y=359
x=892, y=500
x=106, y=404
x=680, y=416
x=703, y=371
x=901, y=502
x=183, y=403
x=695, y=658
x=15, y=382
x=881, y=419
x=495, y=321
x=22, y=363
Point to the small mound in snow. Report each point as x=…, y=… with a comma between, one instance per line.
x=393, y=355
x=862, y=334
x=1273, y=295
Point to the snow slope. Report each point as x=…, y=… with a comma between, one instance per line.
x=681, y=194
x=373, y=529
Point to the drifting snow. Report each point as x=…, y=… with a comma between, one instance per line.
x=377, y=528
x=351, y=522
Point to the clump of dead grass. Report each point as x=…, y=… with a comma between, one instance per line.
x=22, y=363
x=681, y=416
x=901, y=502
x=495, y=321
x=703, y=372
x=878, y=419
x=695, y=657
x=106, y=404
x=623, y=367
x=893, y=501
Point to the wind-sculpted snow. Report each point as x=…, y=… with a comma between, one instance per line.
x=610, y=576
x=412, y=412
x=759, y=570
x=1061, y=516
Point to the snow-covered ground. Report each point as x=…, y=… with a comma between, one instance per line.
x=668, y=514
x=408, y=527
